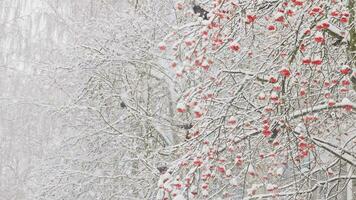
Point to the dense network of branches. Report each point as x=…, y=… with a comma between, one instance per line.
x=220, y=99
x=239, y=100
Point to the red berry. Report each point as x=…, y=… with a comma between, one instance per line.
x=271, y=28
x=273, y=80
x=251, y=18
x=344, y=19
x=345, y=70
x=284, y=72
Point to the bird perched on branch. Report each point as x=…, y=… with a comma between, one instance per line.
x=199, y=10
x=122, y=105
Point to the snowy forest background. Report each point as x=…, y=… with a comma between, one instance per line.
x=143, y=99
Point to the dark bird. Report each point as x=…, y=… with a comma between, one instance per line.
x=276, y=128
x=202, y=13
x=122, y=105
x=186, y=126
x=162, y=169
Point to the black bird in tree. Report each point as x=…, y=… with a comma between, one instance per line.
x=122, y=105
x=199, y=10
x=162, y=169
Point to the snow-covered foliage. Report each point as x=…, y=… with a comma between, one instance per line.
x=240, y=100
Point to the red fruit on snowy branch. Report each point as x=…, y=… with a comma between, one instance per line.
x=348, y=108
x=290, y=12
x=189, y=42
x=262, y=96
x=173, y=64
x=181, y=108
x=345, y=82
x=344, y=90
x=335, y=81
x=268, y=109
x=274, y=96
x=162, y=46
x=331, y=102
x=234, y=46
x=179, y=72
x=298, y=2
x=284, y=72
x=272, y=79
x=251, y=171
x=347, y=104
x=322, y=26
x=302, y=145
x=307, y=32
x=302, y=92
x=317, y=62
x=266, y=126
x=344, y=20
x=303, y=154
x=208, y=95
x=319, y=38
x=205, y=186
x=251, y=18
x=271, y=27
x=316, y=10
x=266, y=132
x=178, y=185
x=326, y=84
x=198, y=162
x=279, y=18
x=261, y=155
x=327, y=95
x=345, y=70
x=335, y=13
x=346, y=14
x=205, y=34
x=271, y=187
x=306, y=61
x=221, y=169
x=197, y=112
x=232, y=121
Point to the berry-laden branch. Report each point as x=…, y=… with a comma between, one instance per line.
x=253, y=75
